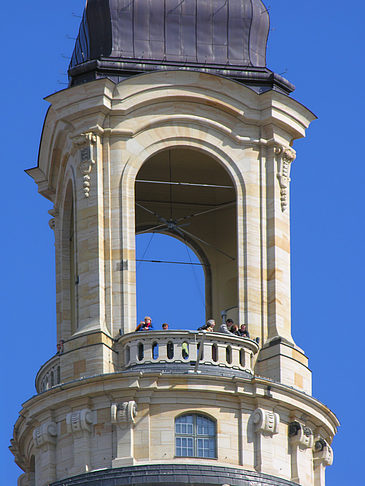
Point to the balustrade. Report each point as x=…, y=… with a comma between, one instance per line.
x=49, y=375
x=184, y=347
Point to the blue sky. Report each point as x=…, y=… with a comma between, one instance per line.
x=318, y=45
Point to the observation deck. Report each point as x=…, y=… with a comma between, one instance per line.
x=172, y=351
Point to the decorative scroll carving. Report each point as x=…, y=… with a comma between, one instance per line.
x=322, y=452
x=45, y=434
x=266, y=421
x=52, y=223
x=300, y=435
x=79, y=421
x=286, y=156
x=123, y=413
x=86, y=138
x=84, y=143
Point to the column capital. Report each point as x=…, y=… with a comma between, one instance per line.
x=45, y=434
x=266, y=421
x=79, y=421
x=124, y=412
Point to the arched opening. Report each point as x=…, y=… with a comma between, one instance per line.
x=69, y=266
x=187, y=195
x=31, y=472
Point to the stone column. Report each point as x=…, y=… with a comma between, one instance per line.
x=123, y=417
x=300, y=440
x=266, y=425
x=79, y=424
x=89, y=233
x=322, y=457
x=44, y=438
x=278, y=242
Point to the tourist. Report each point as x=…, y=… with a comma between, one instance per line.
x=209, y=326
x=145, y=325
x=224, y=328
x=234, y=330
x=243, y=332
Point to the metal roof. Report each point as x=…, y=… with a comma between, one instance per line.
x=119, y=38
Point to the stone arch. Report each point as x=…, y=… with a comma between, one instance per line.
x=132, y=166
x=68, y=322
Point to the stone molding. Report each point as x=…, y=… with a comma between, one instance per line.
x=266, y=421
x=79, y=421
x=124, y=412
x=322, y=452
x=285, y=157
x=45, y=434
x=300, y=435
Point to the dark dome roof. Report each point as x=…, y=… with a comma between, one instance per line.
x=119, y=38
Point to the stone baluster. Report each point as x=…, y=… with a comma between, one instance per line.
x=222, y=357
x=162, y=349
x=178, y=351
x=193, y=350
x=147, y=350
x=235, y=356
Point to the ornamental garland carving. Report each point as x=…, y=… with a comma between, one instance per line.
x=45, y=434
x=266, y=421
x=322, y=452
x=300, y=435
x=84, y=144
x=79, y=421
x=123, y=413
x=285, y=156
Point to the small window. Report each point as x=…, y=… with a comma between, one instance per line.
x=215, y=353
x=127, y=354
x=170, y=350
x=229, y=354
x=140, y=352
x=155, y=350
x=242, y=358
x=195, y=436
x=185, y=350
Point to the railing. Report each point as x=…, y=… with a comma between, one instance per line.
x=215, y=349
x=49, y=375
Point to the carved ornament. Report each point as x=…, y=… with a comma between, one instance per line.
x=285, y=156
x=266, y=421
x=322, y=452
x=45, y=434
x=79, y=421
x=124, y=413
x=52, y=223
x=84, y=144
x=300, y=435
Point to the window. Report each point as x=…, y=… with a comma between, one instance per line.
x=195, y=436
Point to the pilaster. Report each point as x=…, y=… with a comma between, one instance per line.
x=79, y=424
x=123, y=418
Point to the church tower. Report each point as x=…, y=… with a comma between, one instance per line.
x=175, y=93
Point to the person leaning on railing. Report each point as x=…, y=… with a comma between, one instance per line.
x=225, y=327
x=243, y=332
x=209, y=326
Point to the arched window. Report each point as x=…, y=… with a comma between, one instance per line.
x=195, y=436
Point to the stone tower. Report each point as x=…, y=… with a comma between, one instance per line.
x=162, y=93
